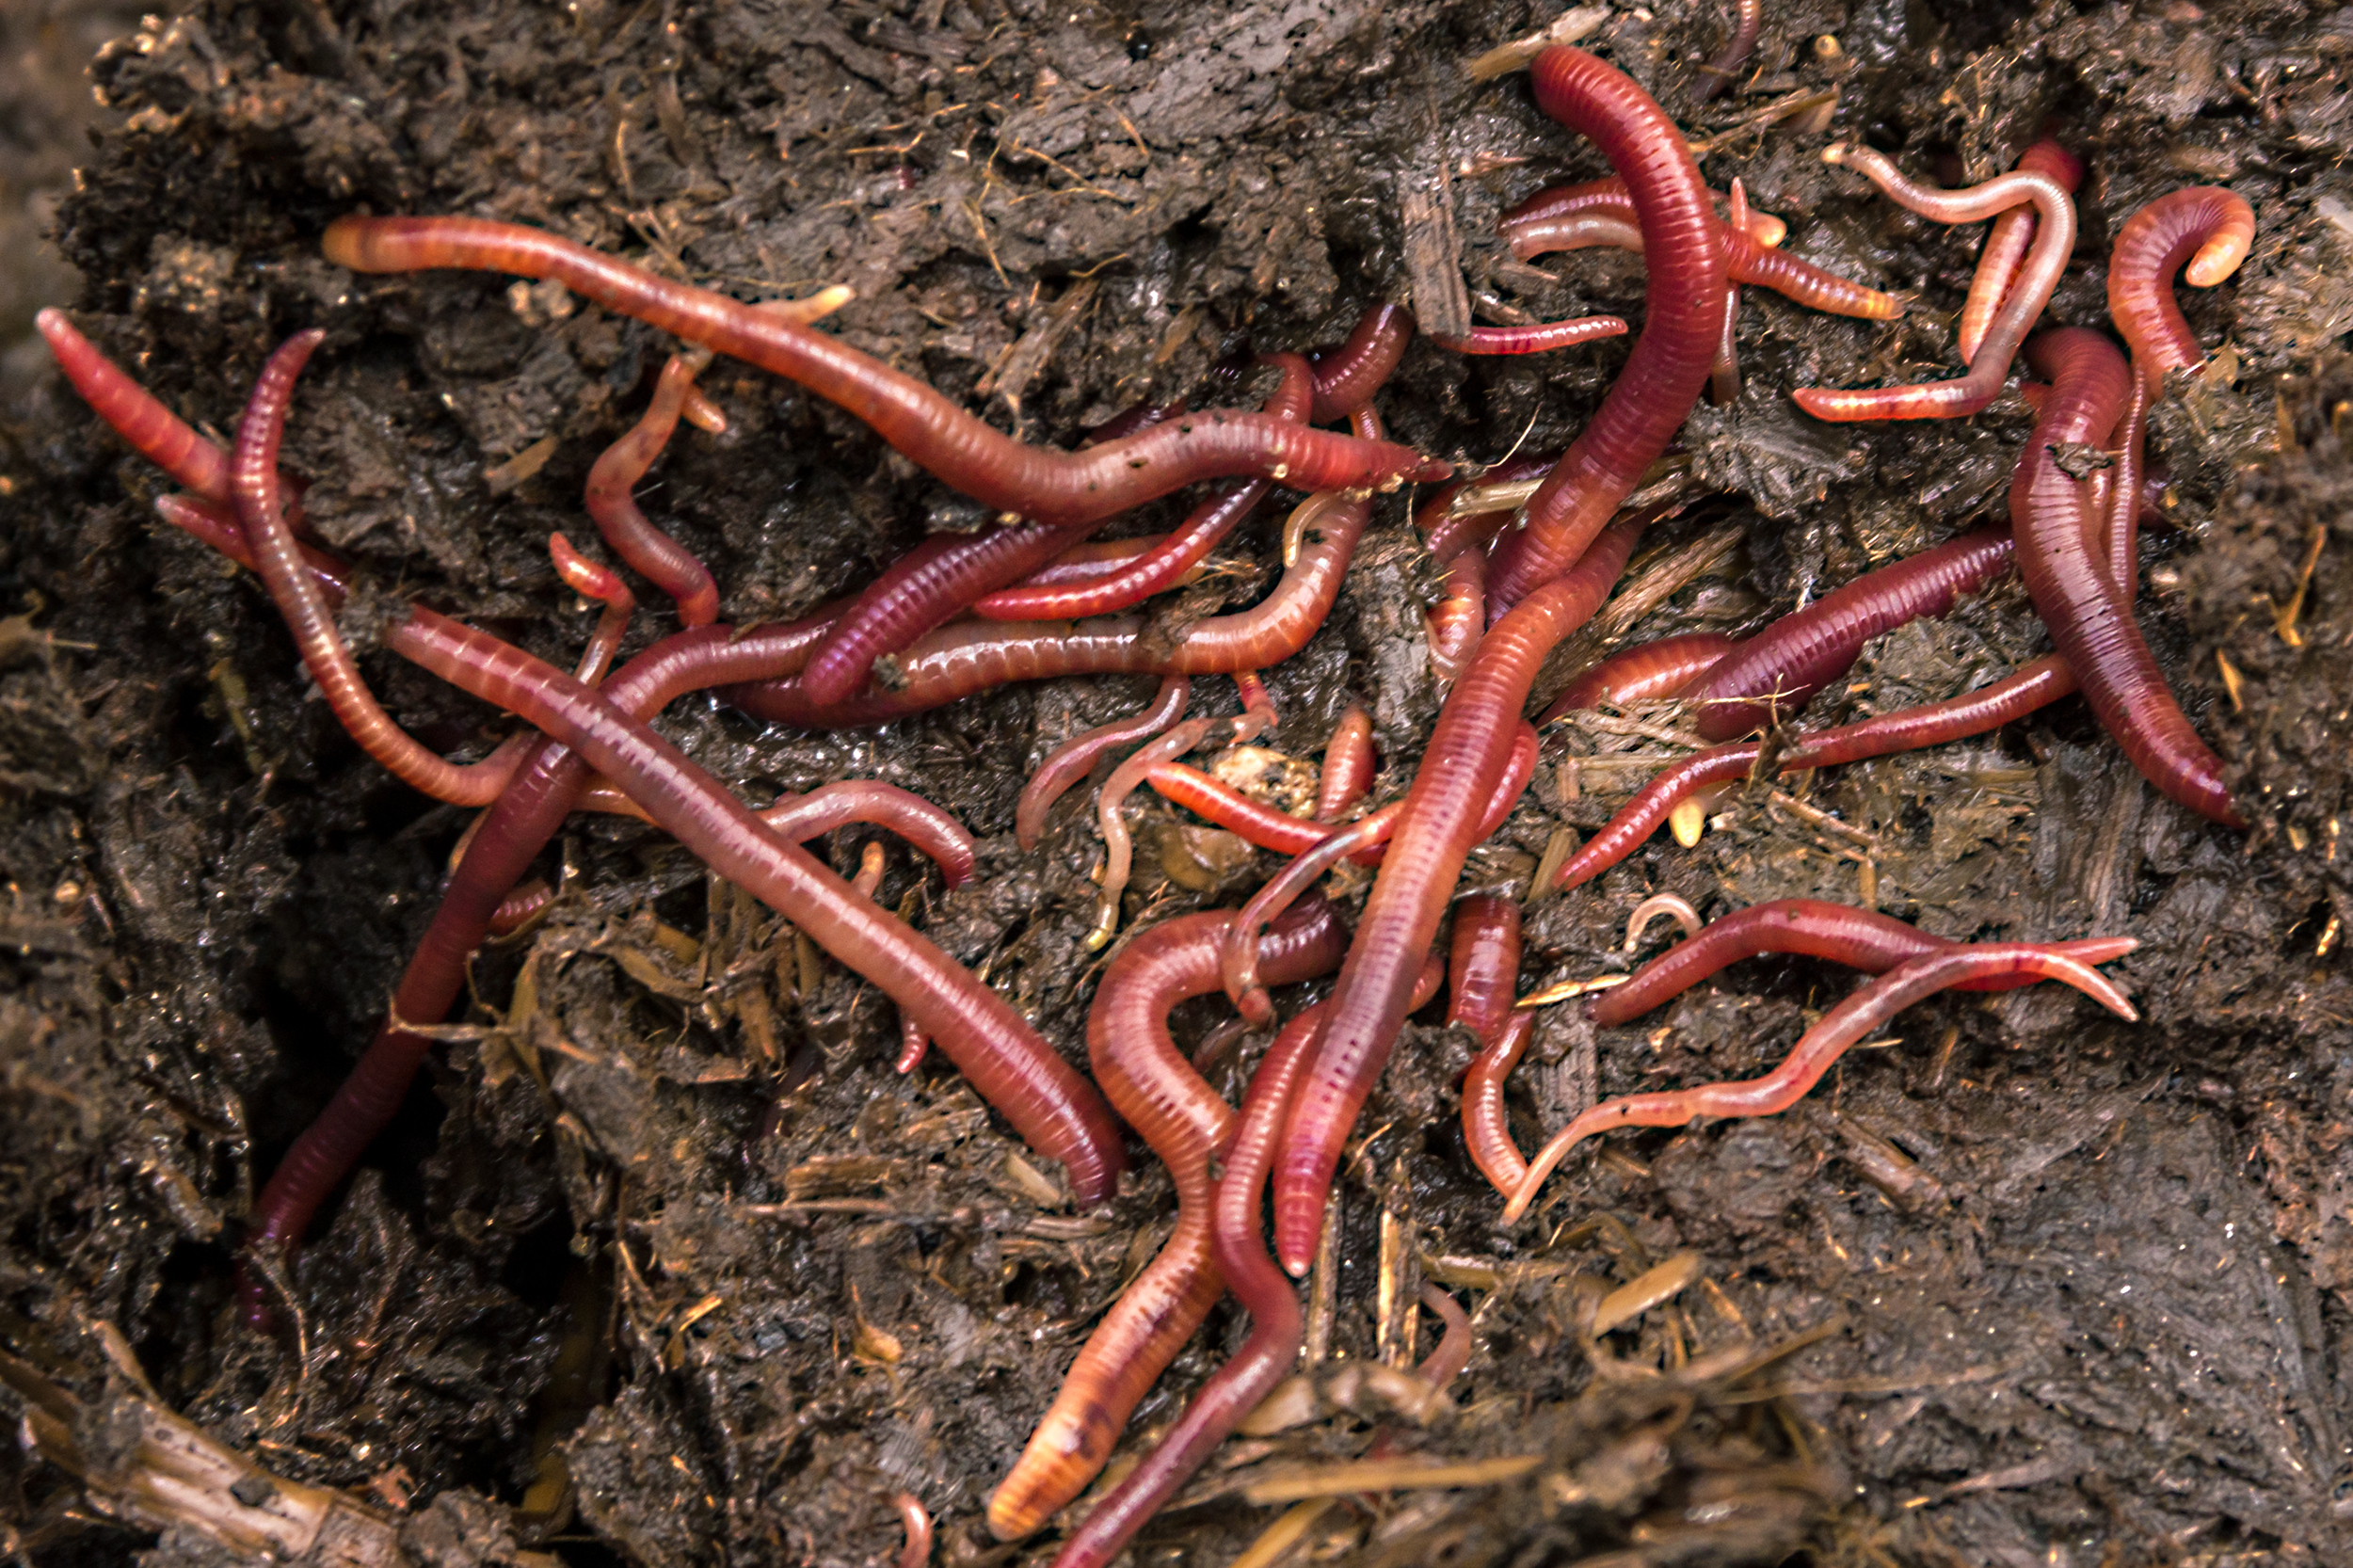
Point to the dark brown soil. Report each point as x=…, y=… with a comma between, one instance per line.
x=663, y=1289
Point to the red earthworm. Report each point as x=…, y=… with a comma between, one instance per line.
x=1606, y=199
x=1673, y=905
x=1348, y=765
x=913, y=1041
x=2006, y=245
x=916, y=1521
x=2054, y=242
x=1748, y=258
x=1143, y=416
x=650, y=552
x=1185, y=1123
x=253, y=479
x=1859, y=938
x=591, y=581
x=1015, y=1070
x=941, y=577
x=2119, y=540
x=1683, y=320
x=1483, y=964
x=2091, y=620
x=1773, y=674
x=1263, y=826
x=1643, y=673
x=1237, y=1254
x=521, y=908
x=1748, y=19
x=1167, y=562
x=157, y=434
x=1239, y=962
x=1054, y=488
x=931, y=830
x=956, y=660
x=1347, y=376
x=1118, y=849
x=1088, y=561
x=1486, y=1124
x=1989, y=707
x=511, y=835
x=216, y=525
x=869, y=870
x=2205, y=226
x=1541, y=338
x=1075, y=757
x=1458, y=542
x=1444, y=1363
x=1824, y=1044
x=1467, y=756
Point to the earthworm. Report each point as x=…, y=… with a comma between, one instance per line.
x=1164, y=563
x=1748, y=19
x=1051, y=1106
x=253, y=481
x=939, y=578
x=1748, y=258
x=157, y=434
x=1458, y=542
x=508, y=838
x=1859, y=938
x=2054, y=242
x=1185, y=1122
x=1483, y=964
x=2118, y=538
x=1486, y=1124
x=933, y=831
x=1989, y=707
x=1773, y=674
x=1467, y=754
x=1444, y=1363
x=1673, y=905
x=1239, y=962
x=1088, y=561
x=650, y=552
x=1540, y=338
x=956, y=660
x=1238, y=1252
x=591, y=581
x=1824, y=1044
x=869, y=870
x=1347, y=376
x=1607, y=200
x=1683, y=319
x=1075, y=757
x=2205, y=226
x=2092, y=621
x=2005, y=244
x=1118, y=850
x=916, y=1521
x=1053, y=488
x=1642, y=673
x=1348, y=765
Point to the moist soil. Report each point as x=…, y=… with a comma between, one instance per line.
x=662, y=1263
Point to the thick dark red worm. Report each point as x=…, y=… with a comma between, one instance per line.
x=1053, y=488
x=1574, y=220
x=1486, y=1124
x=1348, y=764
x=2054, y=242
x=2204, y=226
x=1460, y=769
x=1748, y=19
x=1541, y=338
x=1775, y=672
x=510, y=835
x=1683, y=319
x=2006, y=245
x=1643, y=673
x=939, y=579
x=2092, y=621
x=957, y=661
x=1483, y=964
x=1989, y=707
x=1048, y=1104
x=1239, y=1254
x=1823, y=1045
x=2119, y=535
x=1859, y=938
x=1239, y=962
x=652, y=553
x=1347, y=376
x=1186, y=1124
x=1072, y=761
